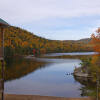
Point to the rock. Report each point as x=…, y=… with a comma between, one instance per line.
x=79, y=73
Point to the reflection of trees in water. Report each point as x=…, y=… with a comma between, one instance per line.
x=0, y=70
x=88, y=88
x=18, y=67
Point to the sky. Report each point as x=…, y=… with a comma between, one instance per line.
x=53, y=19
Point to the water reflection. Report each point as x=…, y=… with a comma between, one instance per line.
x=42, y=77
x=88, y=88
x=47, y=77
x=91, y=86
x=19, y=67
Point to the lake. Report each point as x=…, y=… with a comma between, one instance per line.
x=44, y=76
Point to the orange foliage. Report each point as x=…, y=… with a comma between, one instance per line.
x=96, y=41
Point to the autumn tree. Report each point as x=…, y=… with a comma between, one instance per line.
x=21, y=42
x=96, y=41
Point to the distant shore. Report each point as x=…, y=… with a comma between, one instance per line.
x=37, y=97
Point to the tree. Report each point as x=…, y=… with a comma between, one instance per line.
x=96, y=41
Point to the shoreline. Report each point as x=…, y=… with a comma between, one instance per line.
x=38, y=97
x=79, y=73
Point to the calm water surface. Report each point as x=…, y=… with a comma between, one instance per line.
x=74, y=53
x=42, y=76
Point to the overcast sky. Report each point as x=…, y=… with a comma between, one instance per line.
x=53, y=19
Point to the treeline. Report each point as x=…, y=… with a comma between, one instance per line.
x=21, y=42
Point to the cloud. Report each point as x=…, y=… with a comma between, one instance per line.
x=53, y=19
x=25, y=11
x=64, y=34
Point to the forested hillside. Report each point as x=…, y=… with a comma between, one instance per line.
x=21, y=42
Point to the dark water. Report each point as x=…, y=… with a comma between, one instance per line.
x=42, y=76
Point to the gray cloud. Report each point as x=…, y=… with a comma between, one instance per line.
x=48, y=18
x=25, y=11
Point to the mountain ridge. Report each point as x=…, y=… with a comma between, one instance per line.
x=22, y=42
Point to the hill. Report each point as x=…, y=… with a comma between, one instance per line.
x=85, y=40
x=21, y=42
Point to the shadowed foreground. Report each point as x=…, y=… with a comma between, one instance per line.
x=36, y=97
